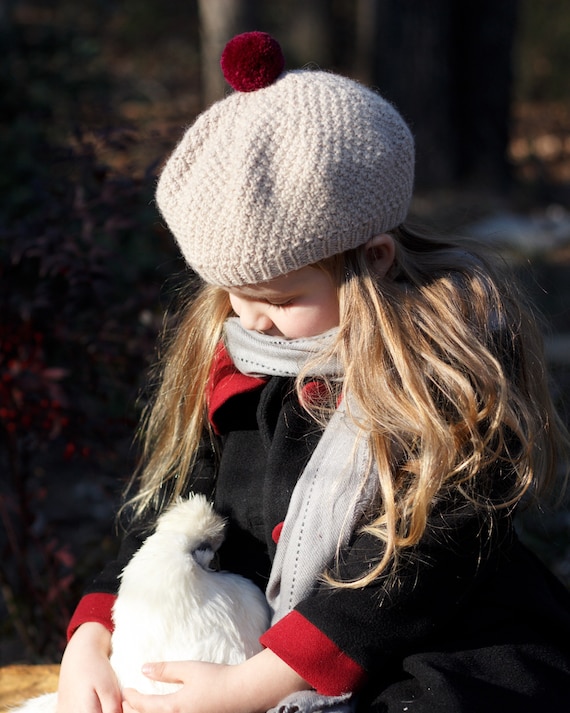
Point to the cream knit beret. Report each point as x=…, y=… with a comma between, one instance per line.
x=271, y=180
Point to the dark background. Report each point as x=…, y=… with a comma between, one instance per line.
x=93, y=96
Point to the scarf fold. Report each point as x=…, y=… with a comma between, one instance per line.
x=332, y=494
x=257, y=354
x=313, y=702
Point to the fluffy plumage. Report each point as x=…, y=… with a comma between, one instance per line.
x=171, y=606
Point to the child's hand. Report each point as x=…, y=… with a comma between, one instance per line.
x=254, y=686
x=201, y=692
x=87, y=682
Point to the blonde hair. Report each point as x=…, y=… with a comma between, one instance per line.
x=450, y=383
x=174, y=422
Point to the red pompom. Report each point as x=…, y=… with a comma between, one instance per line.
x=252, y=61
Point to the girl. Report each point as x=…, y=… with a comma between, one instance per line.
x=365, y=404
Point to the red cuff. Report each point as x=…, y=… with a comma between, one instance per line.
x=92, y=607
x=313, y=655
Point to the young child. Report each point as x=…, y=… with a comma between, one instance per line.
x=365, y=404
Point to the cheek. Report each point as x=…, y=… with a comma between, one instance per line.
x=335, y=309
x=234, y=303
x=330, y=310
x=331, y=316
x=316, y=320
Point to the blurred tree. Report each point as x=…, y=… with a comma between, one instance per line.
x=543, y=51
x=433, y=60
x=220, y=20
x=447, y=66
x=310, y=31
x=365, y=50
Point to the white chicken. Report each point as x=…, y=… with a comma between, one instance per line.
x=172, y=607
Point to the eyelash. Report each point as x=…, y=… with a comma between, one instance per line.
x=280, y=304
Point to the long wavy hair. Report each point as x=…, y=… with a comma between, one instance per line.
x=443, y=358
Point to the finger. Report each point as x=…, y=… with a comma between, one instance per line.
x=135, y=702
x=111, y=701
x=111, y=704
x=166, y=671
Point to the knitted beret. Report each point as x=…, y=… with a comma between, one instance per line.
x=284, y=172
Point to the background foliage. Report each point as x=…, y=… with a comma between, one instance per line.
x=94, y=96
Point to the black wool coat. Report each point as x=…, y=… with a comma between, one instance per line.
x=473, y=623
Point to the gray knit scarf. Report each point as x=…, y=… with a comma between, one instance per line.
x=330, y=497
x=257, y=354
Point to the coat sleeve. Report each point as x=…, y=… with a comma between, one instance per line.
x=336, y=638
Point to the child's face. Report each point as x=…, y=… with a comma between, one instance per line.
x=302, y=303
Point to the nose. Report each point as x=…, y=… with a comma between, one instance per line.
x=253, y=315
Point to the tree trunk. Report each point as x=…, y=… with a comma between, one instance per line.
x=366, y=53
x=484, y=32
x=309, y=33
x=220, y=20
x=446, y=65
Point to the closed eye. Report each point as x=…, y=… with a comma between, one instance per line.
x=273, y=303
